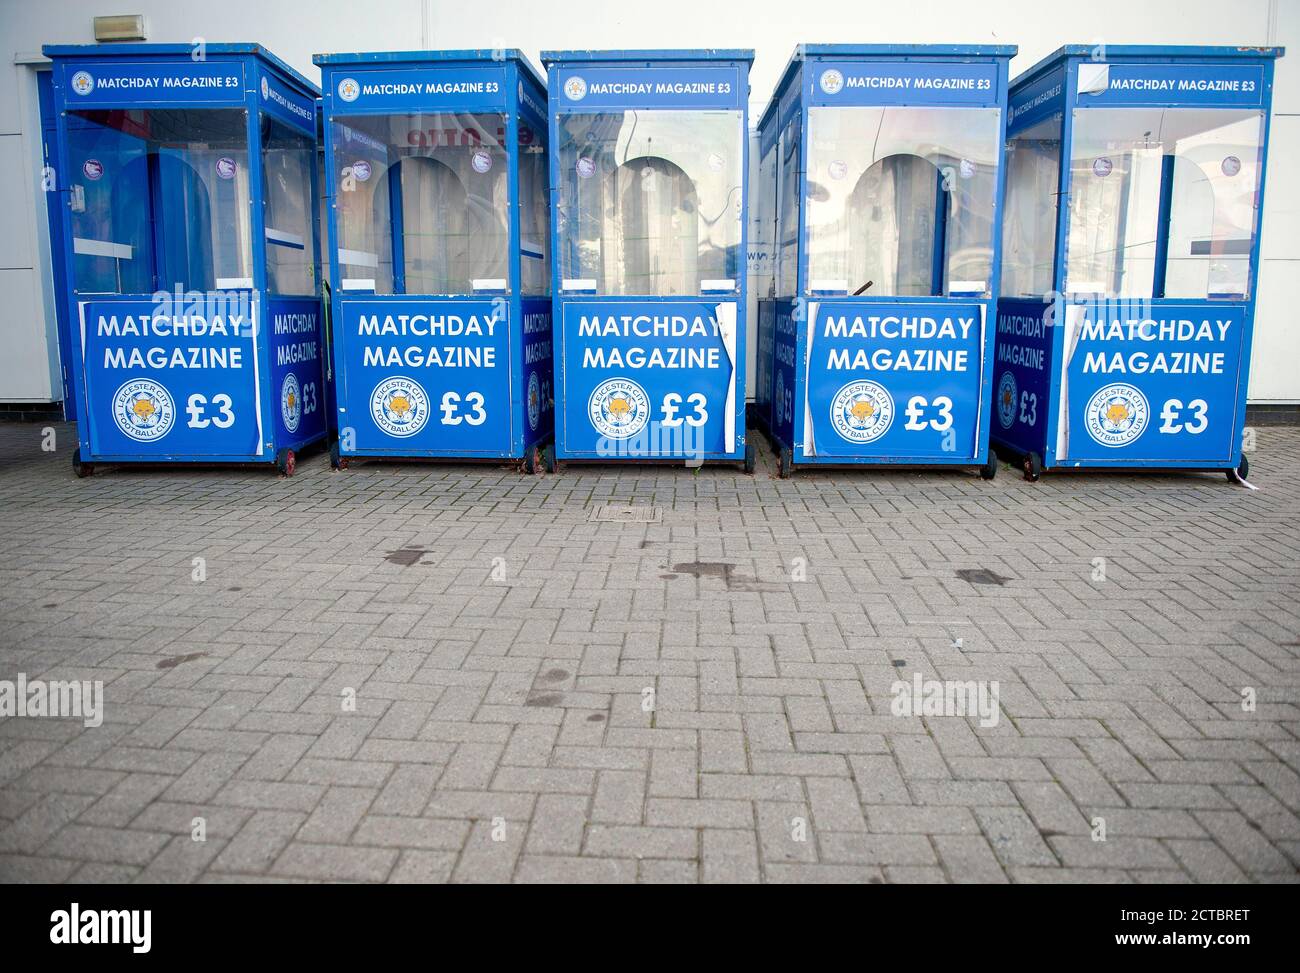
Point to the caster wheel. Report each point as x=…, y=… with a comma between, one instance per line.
x=286, y=461
x=548, y=459
x=337, y=460
x=533, y=461
x=82, y=470
x=751, y=458
x=785, y=464
x=1233, y=475
x=1033, y=464
x=990, y=469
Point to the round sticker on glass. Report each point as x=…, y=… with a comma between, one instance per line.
x=966, y=168
x=361, y=170
x=93, y=169
x=1102, y=167
x=716, y=162
x=586, y=167
x=226, y=167
x=839, y=169
x=482, y=161
x=1231, y=165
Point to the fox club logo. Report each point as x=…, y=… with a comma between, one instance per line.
x=1007, y=400
x=778, y=397
x=399, y=406
x=862, y=412
x=143, y=410
x=534, y=401
x=1117, y=415
x=832, y=81
x=266, y=89
x=575, y=89
x=290, y=402
x=618, y=408
x=83, y=83
x=349, y=90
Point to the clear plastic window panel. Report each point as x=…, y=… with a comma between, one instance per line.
x=900, y=201
x=423, y=203
x=534, y=213
x=762, y=234
x=160, y=200
x=1029, y=214
x=650, y=201
x=1164, y=202
x=787, y=213
x=288, y=157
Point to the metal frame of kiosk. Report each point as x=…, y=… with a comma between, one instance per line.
x=1124, y=327
x=649, y=167
x=436, y=180
x=881, y=185
x=187, y=180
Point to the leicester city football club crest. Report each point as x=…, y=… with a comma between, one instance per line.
x=349, y=90
x=144, y=410
x=575, y=89
x=1117, y=415
x=399, y=406
x=778, y=396
x=618, y=408
x=83, y=83
x=1007, y=400
x=534, y=401
x=290, y=402
x=862, y=411
x=832, y=81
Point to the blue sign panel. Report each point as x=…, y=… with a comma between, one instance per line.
x=425, y=376
x=894, y=379
x=861, y=82
x=287, y=104
x=1160, y=385
x=538, y=374
x=93, y=84
x=1034, y=102
x=297, y=368
x=1022, y=376
x=590, y=88
x=653, y=378
x=174, y=377
x=785, y=354
x=1206, y=85
x=418, y=89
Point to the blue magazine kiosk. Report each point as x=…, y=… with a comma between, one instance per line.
x=648, y=167
x=436, y=174
x=880, y=192
x=1124, y=328
x=187, y=185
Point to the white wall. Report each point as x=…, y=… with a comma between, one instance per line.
x=295, y=29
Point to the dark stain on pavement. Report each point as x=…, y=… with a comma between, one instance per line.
x=176, y=660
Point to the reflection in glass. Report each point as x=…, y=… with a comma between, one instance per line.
x=423, y=203
x=650, y=200
x=900, y=201
x=1163, y=202
x=1029, y=216
x=160, y=200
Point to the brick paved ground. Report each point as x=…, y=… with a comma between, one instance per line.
x=506, y=695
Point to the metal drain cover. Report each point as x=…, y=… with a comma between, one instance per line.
x=627, y=513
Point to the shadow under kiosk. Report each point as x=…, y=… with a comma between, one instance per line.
x=1124, y=328
x=188, y=200
x=649, y=167
x=436, y=176
x=880, y=192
